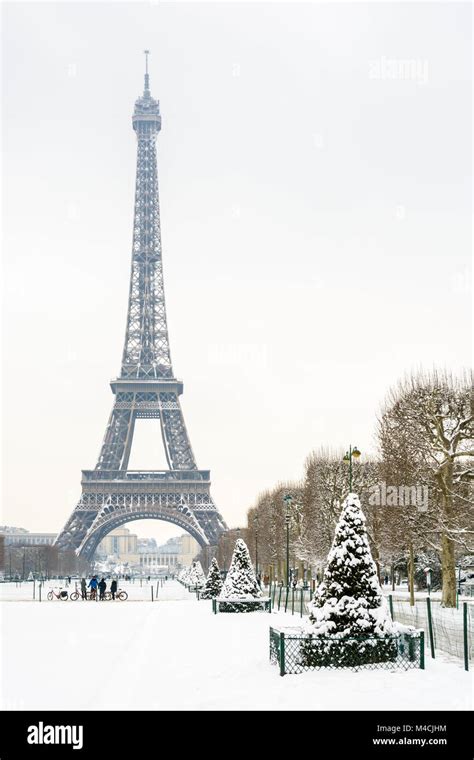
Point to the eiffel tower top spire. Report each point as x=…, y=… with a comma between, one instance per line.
x=146, y=91
x=146, y=116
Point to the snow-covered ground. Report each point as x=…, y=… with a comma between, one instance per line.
x=402, y=593
x=175, y=654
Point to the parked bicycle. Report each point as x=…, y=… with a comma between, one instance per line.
x=119, y=594
x=92, y=596
x=78, y=595
x=61, y=595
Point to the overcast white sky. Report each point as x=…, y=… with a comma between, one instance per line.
x=315, y=215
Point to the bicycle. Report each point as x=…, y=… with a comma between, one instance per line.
x=119, y=594
x=91, y=595
x=78, y=595
x=62, y=595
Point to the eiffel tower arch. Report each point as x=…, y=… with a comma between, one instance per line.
x=146, y=388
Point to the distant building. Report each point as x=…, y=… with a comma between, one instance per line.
x=22, y=553
x=147, y=545
x=22, y=537
x=176, y=552
x=11, y=529
x=120, y=544
x=189, y=549
x=166, y=555
x=125, y=547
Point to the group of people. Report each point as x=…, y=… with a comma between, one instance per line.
x=97, y=586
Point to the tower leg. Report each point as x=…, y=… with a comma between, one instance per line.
x=175, y=436
x=117, y=440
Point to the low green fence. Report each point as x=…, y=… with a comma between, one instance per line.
x=296, y=651
x=263, y=604
x=288, y=599
x=448, y=629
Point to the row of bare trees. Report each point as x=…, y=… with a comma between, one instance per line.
x=416, y=492
x=18, y=561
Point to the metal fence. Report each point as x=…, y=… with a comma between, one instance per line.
x=292, y=600
x=296, y=651
x=448, y=629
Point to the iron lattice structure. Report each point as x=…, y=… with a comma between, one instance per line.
x=146, y=388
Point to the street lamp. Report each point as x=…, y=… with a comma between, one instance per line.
x=287, y=499
x=255, y=522
x=353, y=453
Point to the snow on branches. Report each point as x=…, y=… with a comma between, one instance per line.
x=349, y=601
x=240, y=582
x=213, y=586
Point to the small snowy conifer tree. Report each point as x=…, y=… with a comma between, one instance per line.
x=184, y=575
x=240, y=582
x=349, y=603
x=213, y=586
x=196, y=575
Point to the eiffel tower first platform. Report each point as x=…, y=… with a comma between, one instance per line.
x=146, y=388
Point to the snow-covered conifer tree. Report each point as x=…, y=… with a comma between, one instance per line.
x=184, y=575
x=240, y=582
x=213, y=586
x=349, y=602
x=196, y=576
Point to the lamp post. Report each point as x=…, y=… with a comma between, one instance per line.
x=353, y=453
x=287, y=499
x=255, y=522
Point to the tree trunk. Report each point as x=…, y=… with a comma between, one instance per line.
x=448, y=570
x=448, y=566
x=411, y=576
x=376, y=558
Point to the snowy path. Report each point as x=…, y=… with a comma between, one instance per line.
x=175, y=654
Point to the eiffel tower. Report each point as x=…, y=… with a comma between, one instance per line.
x=146, y=388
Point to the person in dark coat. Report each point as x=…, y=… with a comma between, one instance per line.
x=83, y=588
x=113, y=588
x=102, y=587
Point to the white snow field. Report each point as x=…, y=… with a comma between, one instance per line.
x=175, y=654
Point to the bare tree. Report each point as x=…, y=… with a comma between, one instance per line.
x=267, y=517
x=326, y=484
x=426, y=433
